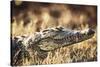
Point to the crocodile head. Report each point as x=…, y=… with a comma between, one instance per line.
x=54, y=38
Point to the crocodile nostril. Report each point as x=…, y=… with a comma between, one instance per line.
x=90, y=32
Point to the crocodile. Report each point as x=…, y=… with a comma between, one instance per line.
x=48, y=40
x=53, y=38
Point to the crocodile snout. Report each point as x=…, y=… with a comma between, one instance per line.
x=90, y=32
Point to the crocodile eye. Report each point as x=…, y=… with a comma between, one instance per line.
x=45, y=30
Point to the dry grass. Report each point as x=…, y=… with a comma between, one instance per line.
x=80, y=52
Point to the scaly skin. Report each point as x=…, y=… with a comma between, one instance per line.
x=47, y=40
